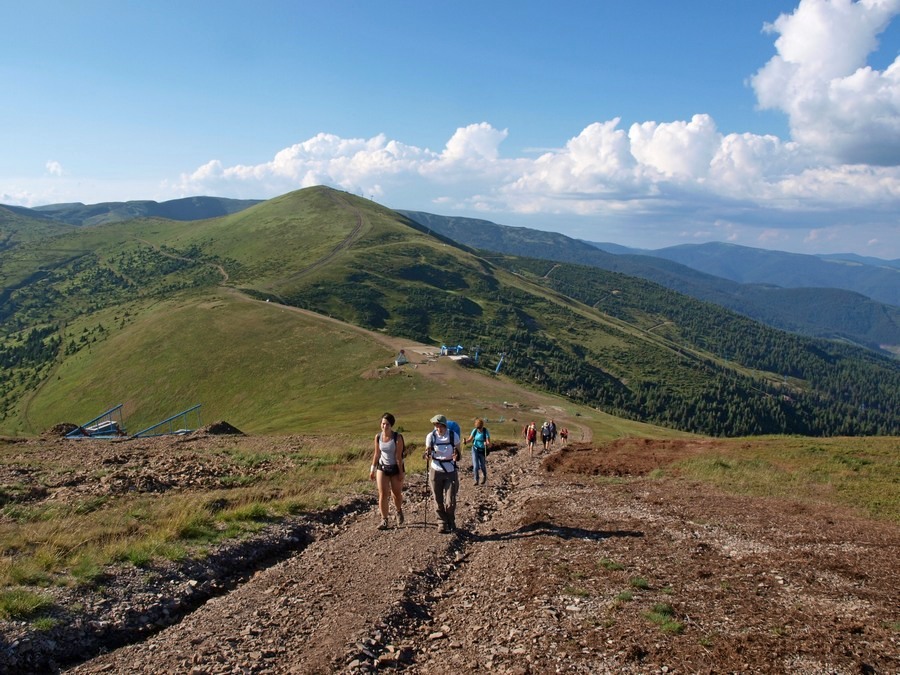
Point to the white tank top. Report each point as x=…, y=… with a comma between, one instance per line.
x=388, y=450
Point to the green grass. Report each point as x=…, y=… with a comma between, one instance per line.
x=45, y=623
x=663, y=616
x=274, y=369
x=87, y=568
x=859, y=473
x=18, y=604
x=74, y=544
x=610, y=565
x=576, y=592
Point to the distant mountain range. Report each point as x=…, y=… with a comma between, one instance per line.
x=844, y=296
x=873, y=277
x=189, y=208
x=841, y=311
x=161, y=314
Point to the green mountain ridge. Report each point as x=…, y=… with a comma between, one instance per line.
x=832, y=313
x=755, y=282
x=187, y=208
x=601, y=340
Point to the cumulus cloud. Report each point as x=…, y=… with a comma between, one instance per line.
x=676, y=149
x=473, y=143
x=353, y=164
x=54, y=168
x=843, y=154
x=653, y=169
x=836, y=103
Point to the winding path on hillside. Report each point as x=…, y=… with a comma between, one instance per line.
x=344, y=244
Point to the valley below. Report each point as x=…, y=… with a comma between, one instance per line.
x=587, y=558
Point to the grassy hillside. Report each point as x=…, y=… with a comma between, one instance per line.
x=19, y=225
x=817, y=312
x=140, y=293
x=267, y=368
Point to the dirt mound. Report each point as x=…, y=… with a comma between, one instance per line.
x=221, y=428
x=59, y=430
x=623, y=457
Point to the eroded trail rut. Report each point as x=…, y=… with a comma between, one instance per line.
x=346, y=600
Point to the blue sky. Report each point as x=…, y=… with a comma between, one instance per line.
x=646, y=123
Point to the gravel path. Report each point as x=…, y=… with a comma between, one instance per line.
x=580, y=561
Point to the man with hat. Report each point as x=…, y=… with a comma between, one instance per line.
x=442, y=448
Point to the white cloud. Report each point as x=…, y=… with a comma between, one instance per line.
x=54, y=168
x=679, y=150
x=673, y=171
x=836, y=179
x=837, y=105
x=473, y=143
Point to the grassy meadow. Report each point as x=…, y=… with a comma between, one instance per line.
x=859, y=473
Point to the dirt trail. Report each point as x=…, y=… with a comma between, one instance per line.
x=554, y=570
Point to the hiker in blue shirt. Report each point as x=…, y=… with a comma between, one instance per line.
x=442, y=449
x=481, y=441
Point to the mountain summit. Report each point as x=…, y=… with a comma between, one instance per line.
x=155, y=312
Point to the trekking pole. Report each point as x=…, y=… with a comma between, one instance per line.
x=425, y=501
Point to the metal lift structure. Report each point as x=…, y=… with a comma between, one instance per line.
x=174, y=426
x=107, y=425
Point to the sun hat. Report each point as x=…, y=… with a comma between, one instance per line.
x=439, y=419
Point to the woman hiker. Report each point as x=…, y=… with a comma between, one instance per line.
x=481, y=441
x=530, y=434
x=387, y=470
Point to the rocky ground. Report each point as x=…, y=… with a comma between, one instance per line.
x=574, y=561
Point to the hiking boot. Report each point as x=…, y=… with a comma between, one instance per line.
x=383, y=525
x=443, y=529
x=400, y=518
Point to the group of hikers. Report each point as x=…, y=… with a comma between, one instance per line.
x=548, y=433
x=443, y=451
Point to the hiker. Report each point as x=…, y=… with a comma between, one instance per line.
x=387, y=470
x=530, y=434
x=442, y=448
x=564, y=435
x=552, y=433
x=480, y=438
x=545, y=435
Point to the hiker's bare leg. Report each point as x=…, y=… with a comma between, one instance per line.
x=384, y=493
x=397, y=490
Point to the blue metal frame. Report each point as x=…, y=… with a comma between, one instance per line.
x=114, y=429
x=170, y=421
